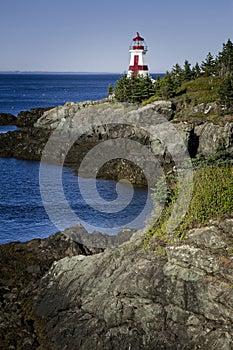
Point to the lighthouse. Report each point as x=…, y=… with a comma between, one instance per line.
x=138, y=50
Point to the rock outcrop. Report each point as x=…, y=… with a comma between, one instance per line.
x=26, y=143
x=97, y=239
x=200, y=110
x=29, y=118
x=96, y=121
x=7, y=119
x=178, y=296
x=214, y=138
x=21, y=266
x=201, y=136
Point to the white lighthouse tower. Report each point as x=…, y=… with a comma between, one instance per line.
x=138, y=50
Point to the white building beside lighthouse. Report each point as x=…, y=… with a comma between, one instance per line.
x=138, y=50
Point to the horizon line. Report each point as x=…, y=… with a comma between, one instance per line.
x=61, y=72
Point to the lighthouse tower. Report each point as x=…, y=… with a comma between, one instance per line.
x=138, y=50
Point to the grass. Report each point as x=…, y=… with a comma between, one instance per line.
x=212, y=199
x=201, y=90
x=150, y=100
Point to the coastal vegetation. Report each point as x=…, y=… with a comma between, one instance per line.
x=212, y=199
x=208, y=81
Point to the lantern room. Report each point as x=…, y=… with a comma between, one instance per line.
x=138, y=43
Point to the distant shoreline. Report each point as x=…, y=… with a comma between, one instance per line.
x=73, y=73
x=47, y=72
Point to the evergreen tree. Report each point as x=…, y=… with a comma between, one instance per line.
x=187, y=72
x=208, y=66
x=134, y=89
x=196, y=71
x=168, y=86
x=177, y=75
x=147, y=87
x=110, y=90
x=121, y=88
x=158, y=86
x=226, y=92
x=225, y=59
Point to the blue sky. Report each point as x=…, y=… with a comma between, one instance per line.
x=73, y=35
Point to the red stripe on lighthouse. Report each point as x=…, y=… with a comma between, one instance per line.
x=131, y=68
x=135, y=69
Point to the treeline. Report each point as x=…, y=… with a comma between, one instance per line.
x=220, y=66
x=134, y=89
x=137, y=88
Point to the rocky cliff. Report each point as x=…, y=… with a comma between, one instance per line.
x=95, y=122
x=172, y=297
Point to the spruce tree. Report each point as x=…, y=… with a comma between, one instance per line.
x=121, y=88
x=208, y=66
x=134, y=89
x=177, y=75
x=226, y=93
x=187, y=72
x=168, y=86
x=196, y=71
x=225, y=59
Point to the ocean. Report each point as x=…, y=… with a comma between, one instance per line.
x=23, y=91
x=23, y=215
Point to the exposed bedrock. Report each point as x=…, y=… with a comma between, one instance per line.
x=79, y=127
x=177, y=297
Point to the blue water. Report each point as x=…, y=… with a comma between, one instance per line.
x=6, y=128
x=19, y=92
x=22, y=213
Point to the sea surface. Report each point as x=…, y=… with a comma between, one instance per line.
x=22, y=91
x=23, y=214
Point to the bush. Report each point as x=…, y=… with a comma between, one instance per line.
x=212, y=199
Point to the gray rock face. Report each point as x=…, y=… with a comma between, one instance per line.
x=52, y=118
x=206, y=138
x=130, y=298
x=98, y=239
x=82, y=126
x=214, y=138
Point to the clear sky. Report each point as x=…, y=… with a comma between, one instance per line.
x=94, y=36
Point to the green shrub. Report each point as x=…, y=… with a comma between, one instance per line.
x=201, y=90
x=212, y=198
x=212, y=195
